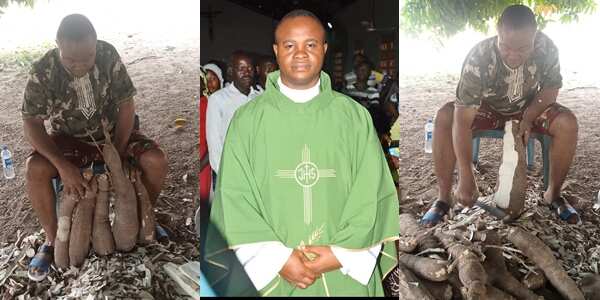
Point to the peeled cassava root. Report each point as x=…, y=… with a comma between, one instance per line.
x=126, y=224
x=512, y=175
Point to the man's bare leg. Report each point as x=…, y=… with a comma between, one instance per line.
x=39, y=174
x=563, y=130
x=444, y=159
x=154, y=171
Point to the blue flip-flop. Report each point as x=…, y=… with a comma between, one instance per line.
x=161, y=234
x=565, y=211
x=432, y=216
x=42, y=261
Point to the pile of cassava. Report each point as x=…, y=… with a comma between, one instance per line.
x=473, y=256
x=84, y=222
x=467, y=261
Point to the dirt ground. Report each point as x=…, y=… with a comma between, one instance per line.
x=166, y=77
x=423, y=95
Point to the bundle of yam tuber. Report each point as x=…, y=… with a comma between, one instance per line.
x=85, y=221
x=470, y=264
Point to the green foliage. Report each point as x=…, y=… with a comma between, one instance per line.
x=448, y=17
x=5, y=3
x=24, y=57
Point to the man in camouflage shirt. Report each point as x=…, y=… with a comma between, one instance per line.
x=74, y=86
x=514, y=75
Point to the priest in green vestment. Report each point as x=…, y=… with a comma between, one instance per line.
x=304, y=196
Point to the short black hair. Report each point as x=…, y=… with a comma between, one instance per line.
x=237, y=53
x=299, y=13
x=517, y=17
x=75, y=27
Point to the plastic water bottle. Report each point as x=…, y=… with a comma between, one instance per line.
x=428, y=136
x=7, y=163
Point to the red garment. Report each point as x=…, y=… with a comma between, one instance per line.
x=205, y=174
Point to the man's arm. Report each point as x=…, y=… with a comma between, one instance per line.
x=124, y=127
x=541, y=101
x=461, y=140
x=36, y=135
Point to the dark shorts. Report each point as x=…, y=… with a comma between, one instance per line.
x=488, y=119
x=82, y=154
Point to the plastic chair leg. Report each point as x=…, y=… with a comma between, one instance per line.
x=475, y=148
x=530, y=153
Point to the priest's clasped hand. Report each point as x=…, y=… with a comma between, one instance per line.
x=296, y=272
x=302, y=272
x=325, y=260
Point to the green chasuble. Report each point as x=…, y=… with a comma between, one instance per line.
x=309, y=173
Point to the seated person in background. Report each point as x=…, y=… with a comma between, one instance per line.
x=375, y=77
x=214, y=78
x=360, y=89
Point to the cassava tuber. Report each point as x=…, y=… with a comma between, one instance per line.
x=427, y=268
x=81, y=230
x=470, y=271
x=126, y=224
x=147, y=221
x=102, y=237
x=543, y=257
x=512, y=175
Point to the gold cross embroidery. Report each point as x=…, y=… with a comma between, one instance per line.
x=306, y=174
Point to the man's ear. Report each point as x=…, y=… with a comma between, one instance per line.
x=275, y=50
x=325, y=48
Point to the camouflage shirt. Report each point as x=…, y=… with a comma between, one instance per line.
x=75, y=106
x=486, y=78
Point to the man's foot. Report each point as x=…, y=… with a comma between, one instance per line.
x=564, y=210
x=161, y=234
x=40, y=263
x=435, y=214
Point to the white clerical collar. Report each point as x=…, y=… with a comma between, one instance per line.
x=299, y=96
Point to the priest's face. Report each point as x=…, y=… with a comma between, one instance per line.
x=300, y=47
